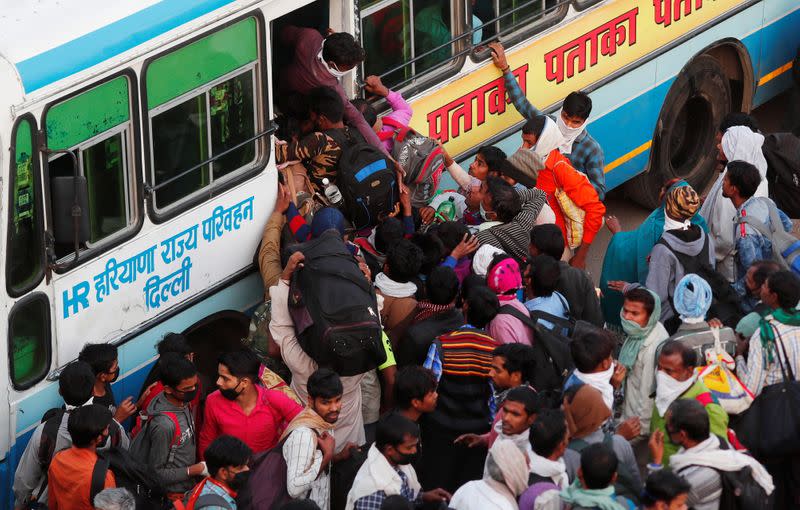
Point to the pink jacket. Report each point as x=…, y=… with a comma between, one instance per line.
x=401, y=112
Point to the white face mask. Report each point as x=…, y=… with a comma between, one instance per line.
x=569, y=133
x=669, y=389
x=335, y=72
x=601, y=381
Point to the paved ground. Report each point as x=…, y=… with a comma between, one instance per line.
x=631, y=215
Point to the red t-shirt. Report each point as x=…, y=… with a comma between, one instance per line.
x=260, y=429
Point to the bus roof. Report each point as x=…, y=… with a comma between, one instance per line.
x=53, y=39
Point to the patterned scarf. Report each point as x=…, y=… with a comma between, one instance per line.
x=787, y=317
x=426, y=310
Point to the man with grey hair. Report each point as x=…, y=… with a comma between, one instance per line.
x=114, y=499
x=506, y=477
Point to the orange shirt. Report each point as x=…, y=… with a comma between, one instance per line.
x=559, y=173
x=69, y=479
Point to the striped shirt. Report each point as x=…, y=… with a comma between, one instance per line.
x=303, y=460
x=465, y=356
x=756, y=372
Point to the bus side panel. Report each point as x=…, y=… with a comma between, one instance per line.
x=136, y=357
x=777, y=45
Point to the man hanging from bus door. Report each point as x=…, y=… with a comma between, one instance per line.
x=579, y=146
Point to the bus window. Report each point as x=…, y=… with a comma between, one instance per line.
x=24, y=260
x=29, y=341
x=398, y=31
x=95, y=125
x=202, y=102
x=515, y=19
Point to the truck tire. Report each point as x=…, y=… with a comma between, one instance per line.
x=684, y=142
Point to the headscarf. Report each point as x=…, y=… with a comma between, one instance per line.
x=504, y=278
x=512, y=463
x=483, y=257
x=692, y=298
x=637, y=334
x=327, y=218
x=787, y=317
x=550, y=138
x=586, y=413
x=681, y=203
x=570, y=134
x=740, y=143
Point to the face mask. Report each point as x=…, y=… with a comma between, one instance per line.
x=336, y=73
x=231, y=393
x=188, y=396
x=669, y=389
x=115, y=373
x=632, y=328
x=486, y=214
x=405, y=459
x=569, y=133
x=239, y=480
x=104, y=442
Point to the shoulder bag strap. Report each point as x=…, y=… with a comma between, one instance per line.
x=98, y=478
x=786, y=370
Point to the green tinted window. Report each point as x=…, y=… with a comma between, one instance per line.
x=95, y=126
x=24, y=258
x=29, y=341
x=72, y=122
x=201, y=62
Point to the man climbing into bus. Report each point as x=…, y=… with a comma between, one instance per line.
x=320, y=62
x=577, y=145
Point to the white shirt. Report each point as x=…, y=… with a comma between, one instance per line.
x=303, y=460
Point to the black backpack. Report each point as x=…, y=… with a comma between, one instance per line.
x=552, y=356
x=741, y=492
x=725, y=305
x=334, y=308
x=266, y=487
x=365, y=178
x=140, y=480
x=569, y=327
x=782, y=152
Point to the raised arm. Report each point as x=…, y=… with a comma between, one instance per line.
x=515, y=93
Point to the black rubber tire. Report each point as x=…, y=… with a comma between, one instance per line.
x=684, y=142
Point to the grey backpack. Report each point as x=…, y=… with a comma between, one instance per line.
x=421, y=158
x=785, y=246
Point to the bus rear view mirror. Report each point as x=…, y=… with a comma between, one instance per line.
x=70, y=199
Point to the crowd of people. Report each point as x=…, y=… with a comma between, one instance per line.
x=501, y=378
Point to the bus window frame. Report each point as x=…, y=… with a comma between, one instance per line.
x=515, y=35
x=134, y=148
x=204, y=91
x=123, y=129
x=48, y=340
x=261, y=105
x=430, y=77
x=582, y=5
x=38, y=197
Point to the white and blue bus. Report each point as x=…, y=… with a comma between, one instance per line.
x=153, y=120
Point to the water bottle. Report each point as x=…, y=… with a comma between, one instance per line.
x=332, y=193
